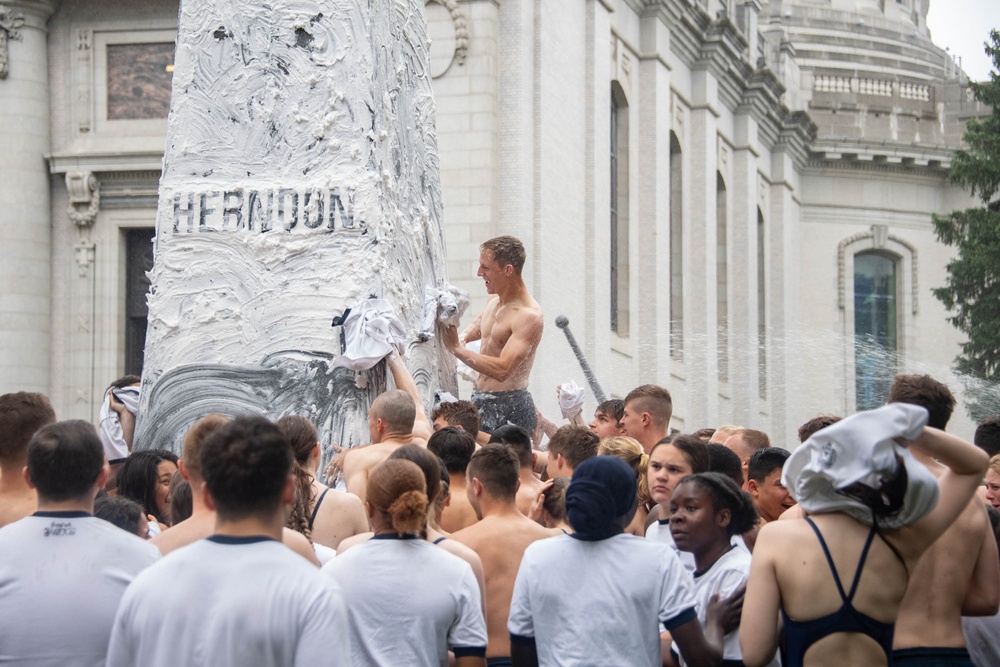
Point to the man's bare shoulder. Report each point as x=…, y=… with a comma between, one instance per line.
x=492, y=529
x=369, y=455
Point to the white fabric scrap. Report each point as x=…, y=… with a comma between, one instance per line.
x=371, y=332
x=861, y=448
x=110, y=428
x=446, y=397
x=570, y=399
x=444, y=306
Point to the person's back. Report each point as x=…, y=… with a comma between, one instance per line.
x=203, y=604
x=519, y=442
x=499, y=537
x=336, y=515
x=63, y=571
x=809, y=590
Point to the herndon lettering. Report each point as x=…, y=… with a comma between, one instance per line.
x=281, y=209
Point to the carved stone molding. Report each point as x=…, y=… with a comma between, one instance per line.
x=461, y=24
x=11, y=21
x=83, y=189
x=880, y=240
x=84, y=252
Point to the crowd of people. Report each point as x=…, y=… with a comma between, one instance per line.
x=462, y=541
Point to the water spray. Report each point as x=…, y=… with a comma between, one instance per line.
x=563, y=323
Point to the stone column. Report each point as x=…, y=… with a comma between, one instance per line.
x=25, y=266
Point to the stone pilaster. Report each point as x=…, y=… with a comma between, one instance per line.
x=25, y=266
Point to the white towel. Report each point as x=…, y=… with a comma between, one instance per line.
x=445, y=306
x=110, y=428
x=570, y=399
x=371, y=331
x=861, y=449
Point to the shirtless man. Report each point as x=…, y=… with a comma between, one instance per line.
x=959, y=574
x=510, y=329
x=395, y=418
x=500, y=538
x=201, y=523
x=519, y=442
x=21, y=414
x=455, y=448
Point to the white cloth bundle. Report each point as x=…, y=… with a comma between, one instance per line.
x=110, y=428
x=442, y=305
x=861, y=449
x=371, y=331
x=570, y=399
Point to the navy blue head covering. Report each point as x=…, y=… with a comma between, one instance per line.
x=603, y=490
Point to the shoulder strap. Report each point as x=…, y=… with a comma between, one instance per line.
x=319, y=501
x=829, y=559
x=861, y=564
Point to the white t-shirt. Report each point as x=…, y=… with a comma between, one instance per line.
x=724, y=577
x=602, y=602
x=230, y=602
x=62, y=575
x=410, y=602
x=660, y=532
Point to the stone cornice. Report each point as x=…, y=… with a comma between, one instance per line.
x=60, y=163
x=796, y=135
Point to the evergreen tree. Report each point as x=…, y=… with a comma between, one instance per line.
x=972, y=289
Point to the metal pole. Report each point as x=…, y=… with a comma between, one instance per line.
x=563, y=323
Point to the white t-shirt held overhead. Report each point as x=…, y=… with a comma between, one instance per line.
x=231, y=602
x=599, y=603
x=410, y=603
x=62, y=576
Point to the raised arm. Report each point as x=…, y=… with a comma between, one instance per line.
x=982, y=597
x=525, y=336
x=403, y=380
x=966, y=465
x=473, y=332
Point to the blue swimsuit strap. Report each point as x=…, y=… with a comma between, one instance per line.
x=848, y=598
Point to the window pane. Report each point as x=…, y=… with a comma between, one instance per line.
x=139, y=77
x=874, y=328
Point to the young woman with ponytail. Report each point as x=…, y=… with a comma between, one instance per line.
x=630, y=451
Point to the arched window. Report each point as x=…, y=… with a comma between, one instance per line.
x=619, y=211
x=761, y=307
x=676, y=250
x=722, y=276
x=875, y=337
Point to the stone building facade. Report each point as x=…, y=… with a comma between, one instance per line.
x=729, y=198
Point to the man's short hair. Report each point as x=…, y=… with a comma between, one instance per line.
x=246, y=464
x=454, y=447
x=704, y=433
x=120, y=511
x=576, y=444
x=21, y=414
x=195, y=438
x=764, y=461
x=65, y=460
x=497, y=469
x=754, y=440
x=987, y=436
x=817, y=423
x=517, y=439
x=125, y=381
x=925, y=391
x=459, y=413
x=614, y=407
x=723, y=460
x=652, y=399
x=506, y=250
x=397, y=409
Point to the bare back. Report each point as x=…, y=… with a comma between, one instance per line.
x=338, y=516
x=931, y=613
x=530, y=487
x=519, y=324
x=500, y=541
x=358, y=464
x=791, y=553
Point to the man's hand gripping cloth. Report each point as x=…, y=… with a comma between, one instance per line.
x=861, y=450
x=371, y=331
x=570, y=399
x=110, y=428
x=445, y=306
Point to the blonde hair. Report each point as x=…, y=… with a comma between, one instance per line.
x=398, y=490
x=995, y=463
x=631, y=452
x=729, y=429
